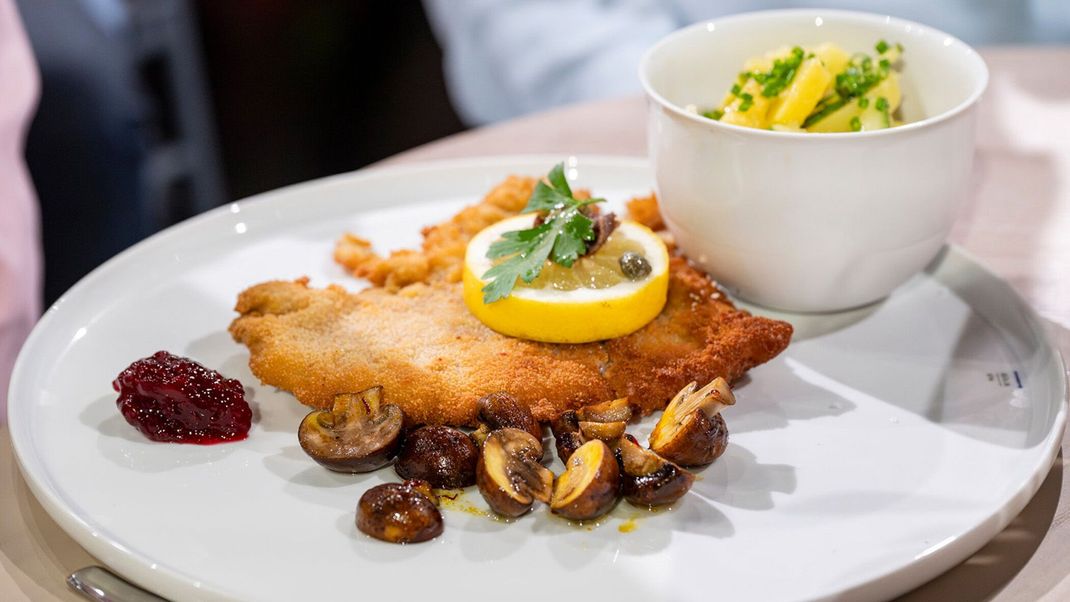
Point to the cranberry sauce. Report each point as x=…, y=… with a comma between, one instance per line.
x=172, y=398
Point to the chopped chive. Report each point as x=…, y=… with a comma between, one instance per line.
x=777, y=86
x=882, y=106
x=823, y=111
x=858, y=77
x=863, y=73
x=748, y=101
x=714, y=114
x=782, y=73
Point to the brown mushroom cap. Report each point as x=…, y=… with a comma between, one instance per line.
x=502, y=410
x=398, y=513
x=509, y=475
x=357, y=434
x=588, y=488
x=691, y=431
x=567, y=435
x=647, y=479
x=443, y=456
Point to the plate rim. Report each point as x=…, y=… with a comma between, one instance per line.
x=139, y=568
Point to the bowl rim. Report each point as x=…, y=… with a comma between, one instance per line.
x=970, y=52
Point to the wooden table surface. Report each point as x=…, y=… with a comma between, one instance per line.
x=1017, y=223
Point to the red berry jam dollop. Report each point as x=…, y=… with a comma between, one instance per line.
x=172, y=398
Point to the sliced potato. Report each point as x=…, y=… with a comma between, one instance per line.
x=873, y=117
x=756, y=115
x=802, y=95
x=870, y=118
x=832, y=56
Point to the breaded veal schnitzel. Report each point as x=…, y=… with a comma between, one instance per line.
x=412, y=333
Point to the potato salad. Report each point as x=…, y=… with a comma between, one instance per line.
x=819, y=89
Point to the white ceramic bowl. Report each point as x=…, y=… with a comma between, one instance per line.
x=810, y=222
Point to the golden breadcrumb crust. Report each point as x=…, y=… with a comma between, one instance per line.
x=412, y=333
x=645, y=210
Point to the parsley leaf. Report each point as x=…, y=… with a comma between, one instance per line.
x=515, y=241
x=577, y=230
x=558, y=181
x=562, y=237
x=524, y=265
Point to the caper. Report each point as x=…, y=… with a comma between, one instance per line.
x=634, y=265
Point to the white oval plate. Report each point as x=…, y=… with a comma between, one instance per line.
x=880, y=449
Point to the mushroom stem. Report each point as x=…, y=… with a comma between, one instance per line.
x=358, y=433
x=711, y=399
x=691, y=431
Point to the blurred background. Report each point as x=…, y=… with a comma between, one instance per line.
x=154, y=110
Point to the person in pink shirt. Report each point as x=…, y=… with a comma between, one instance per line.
x=20, y=252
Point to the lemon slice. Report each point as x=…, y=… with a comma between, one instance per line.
x=591, y=301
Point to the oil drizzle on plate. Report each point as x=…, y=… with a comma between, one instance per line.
x=455, y=500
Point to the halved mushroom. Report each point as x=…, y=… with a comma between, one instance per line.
x=605, y=421
x=567, y=435
x=400, y=512
x=603, y=431
x=443, y=456
x=646, y=478
x=502, y=410
x=509, y=474
x=589, y=486
x=691, y=431
x=358, y=433
x=616, y=410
